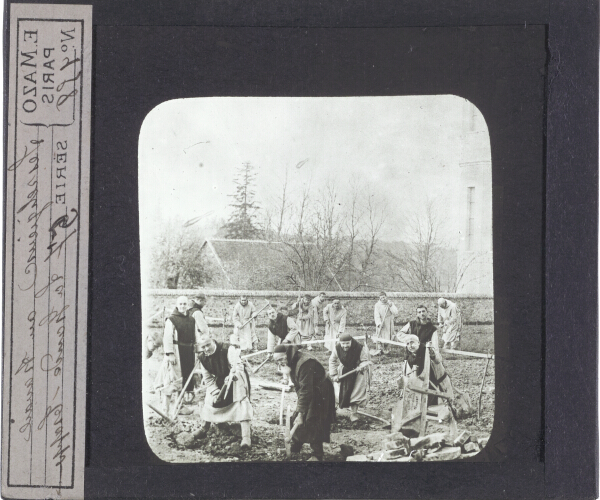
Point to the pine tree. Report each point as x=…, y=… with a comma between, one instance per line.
x=241, y=224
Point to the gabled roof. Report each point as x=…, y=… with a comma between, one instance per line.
x=250, y=252
x=249, y=264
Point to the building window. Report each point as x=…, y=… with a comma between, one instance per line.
x=471, y=218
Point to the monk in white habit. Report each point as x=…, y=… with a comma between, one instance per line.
x=450, y=323
x=307, y=319
x=385, y=311
x=348, y=355
x=316, y=303
x=244, y=323
x=196, y=312
x=334, y=315
x=227, y=388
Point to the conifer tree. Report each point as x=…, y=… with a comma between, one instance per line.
x=242, y=222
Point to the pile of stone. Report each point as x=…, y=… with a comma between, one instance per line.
x=435, y=447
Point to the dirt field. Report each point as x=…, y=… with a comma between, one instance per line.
x=365, y=436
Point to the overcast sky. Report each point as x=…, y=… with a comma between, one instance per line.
x=405, y=148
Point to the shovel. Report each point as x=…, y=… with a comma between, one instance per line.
x=288, y=439
x=387, y=423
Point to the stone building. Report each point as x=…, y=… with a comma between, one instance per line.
x=475, y=249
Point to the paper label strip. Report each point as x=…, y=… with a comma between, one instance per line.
x=46, y=251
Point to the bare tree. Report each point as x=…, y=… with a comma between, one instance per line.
x=353, y=223
x=365, y=220
x=175, y=262
x=330, y=244
x=276, y=213
x=283, y=205
x=298, y=245
x=313, y=243
x=464, y=268
x=428, y=262
x=375, y=217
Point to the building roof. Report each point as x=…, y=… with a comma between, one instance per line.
x=250, y=264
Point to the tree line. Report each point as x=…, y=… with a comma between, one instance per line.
x=328, y=241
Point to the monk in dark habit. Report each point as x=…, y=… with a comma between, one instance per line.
x=281, y=328
x=316, y=398
x=178, y=343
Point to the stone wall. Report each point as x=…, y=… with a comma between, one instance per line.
x=476, y=309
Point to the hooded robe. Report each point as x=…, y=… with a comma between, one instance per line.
x=179, y=339
x=384, y=317
x=282, y=328
x=246, y=335
x=353, y=388
x=316, y=397
x=236, y=406
x=335, y=324
x=451, y=320
x=197, y=313
x=426, y=333
x=307, y=320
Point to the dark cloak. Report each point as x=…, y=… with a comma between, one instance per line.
x=279, y=326
x=186, y=337
x=316, y=397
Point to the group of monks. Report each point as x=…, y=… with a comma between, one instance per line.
x=190, y=348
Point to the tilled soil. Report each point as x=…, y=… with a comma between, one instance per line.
x=365, y=436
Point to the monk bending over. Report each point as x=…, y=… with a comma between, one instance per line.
x=221, y=366
x=315, y=409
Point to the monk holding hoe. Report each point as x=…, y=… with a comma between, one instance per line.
x=351, y=358
x=227, y=388
x=315, y=408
